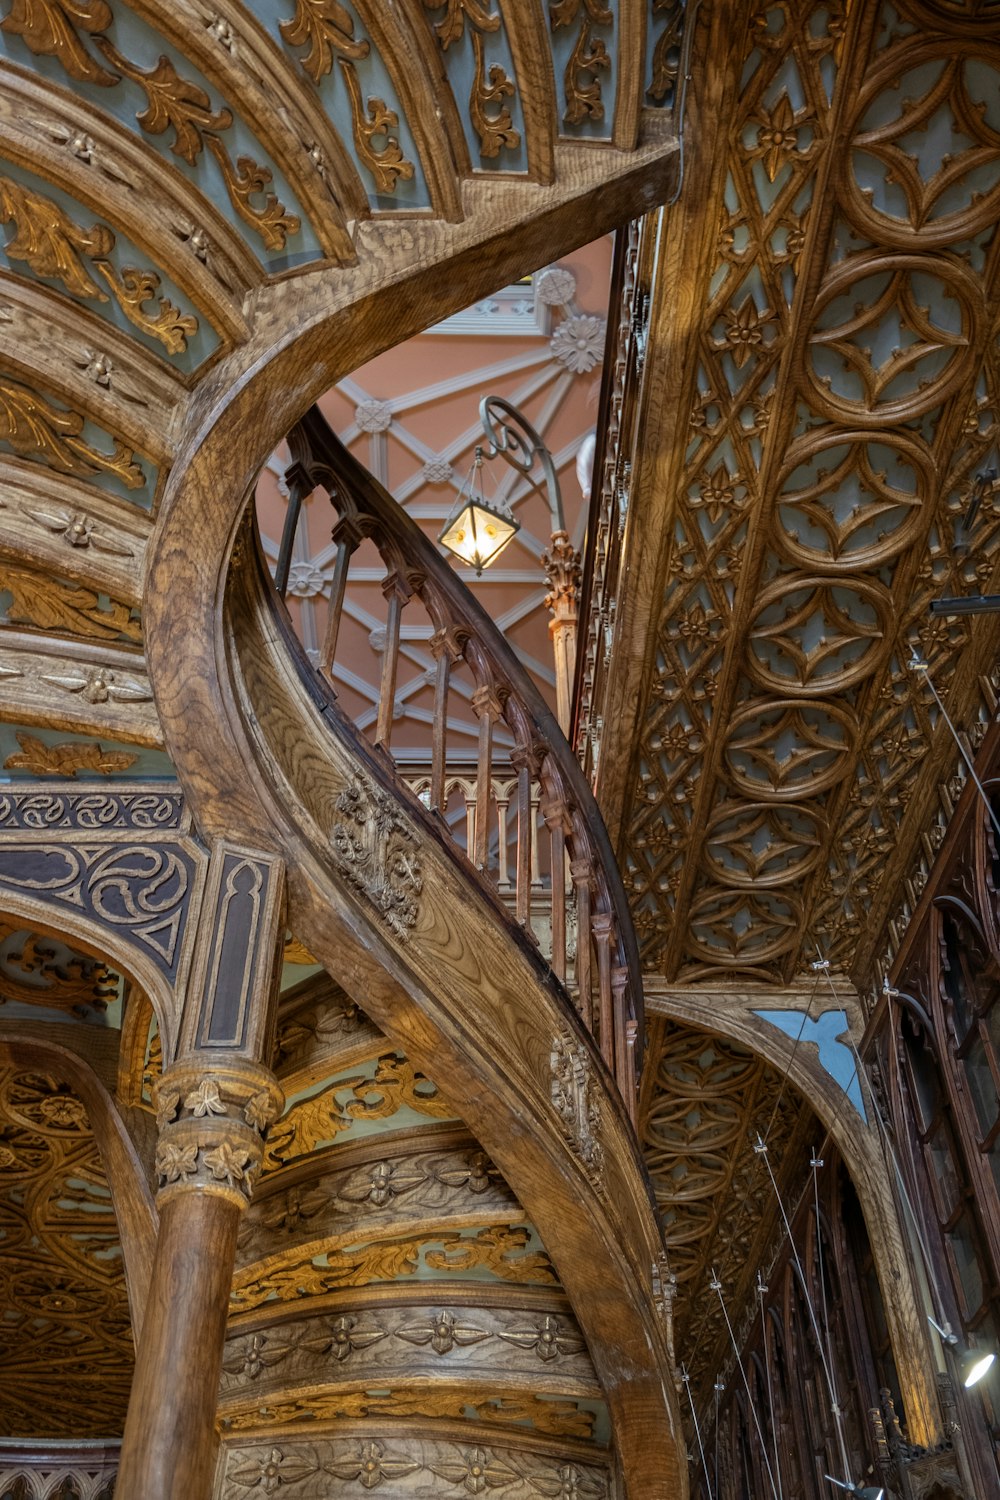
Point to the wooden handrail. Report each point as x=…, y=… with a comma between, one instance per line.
x=547, y=782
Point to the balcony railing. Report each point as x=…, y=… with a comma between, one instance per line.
x=523, y=813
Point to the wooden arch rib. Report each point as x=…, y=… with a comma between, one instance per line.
x=47, y=337
x=407, y=50
x=528, y=34
x=287, y=119
x=131, y=187
x=133, y=1203
x=114, y=948
x=314, y=331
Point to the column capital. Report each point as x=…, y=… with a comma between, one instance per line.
x=213, y=1118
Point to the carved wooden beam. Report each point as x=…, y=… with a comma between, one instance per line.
x=79, y=686
x=60, y=525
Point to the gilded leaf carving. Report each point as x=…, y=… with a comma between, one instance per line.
x=33, y=427
x=50, y=28
x=387, y=163
x=396, y=1084
x=555, y=1418
x=308, y=1123
x=565, y=12
x=48, y=241
x=133, y=289
x=582, y=78
x=497, y=1249
x=325, y=27
x=172, y=103
x=495, y=130
x=49, y=604
x=246, y=181
x=35, y=969
x=451, y=27
x=66, y=759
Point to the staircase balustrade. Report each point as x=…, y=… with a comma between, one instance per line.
x=526, y=817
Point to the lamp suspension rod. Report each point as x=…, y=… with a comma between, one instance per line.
x=697, y=1431
x=715, y=1285
x=916, y=665
x=835, y=1410
x=512, y=438
x=761, y=1291
x=815, y=1163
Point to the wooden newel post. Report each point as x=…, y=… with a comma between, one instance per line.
x=562, y=569
x=214, y=1105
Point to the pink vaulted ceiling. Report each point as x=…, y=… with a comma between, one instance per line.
x=411, y=416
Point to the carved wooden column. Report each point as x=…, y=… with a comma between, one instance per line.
x=214, y=1105
x=562, y=569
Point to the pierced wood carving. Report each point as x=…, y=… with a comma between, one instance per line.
x=375, y=849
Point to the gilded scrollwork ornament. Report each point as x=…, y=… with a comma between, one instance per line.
x=51, y=28
x=34, y=427
x=327, y=28
x=374, y=121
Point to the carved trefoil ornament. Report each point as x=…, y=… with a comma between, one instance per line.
x=375, y=849
x=574, y=1094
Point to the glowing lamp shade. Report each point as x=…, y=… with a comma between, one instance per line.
x=478, y=532
x=976, y=1368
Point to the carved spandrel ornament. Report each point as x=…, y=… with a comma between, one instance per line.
x=574, y=1096
x=376, y=851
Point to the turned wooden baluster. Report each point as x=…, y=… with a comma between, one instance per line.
x=556, y=815
x=488, y=709
x=398, y=591
x=580, y=871
x=603, y=924
x=300, y=487
x=619, y=985
x=446, y=647
x=501, y=791
x=348, y=536
x=631, y=1074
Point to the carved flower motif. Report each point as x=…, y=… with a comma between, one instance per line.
x=305, y=580
x=442, y=1332
x=205, y=1099
x=555, y=287
x=695, y=624
x=269, y=1473
x=174, y=1162
x=478, y=1472
x=371, y=1465
x=777, y=137
x=228, y=1163
x=374, y=416
x=63, y=1111
x=745, y=329
x=436, y=471
x=548, y=1341
x=578, y=343
x=260, y=1111
x=167, y=1101
x=568, y=1483
x=716, y=492
x=345, y=1337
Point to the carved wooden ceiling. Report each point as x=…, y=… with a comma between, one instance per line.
x=832, y=392
x=65, y=1335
